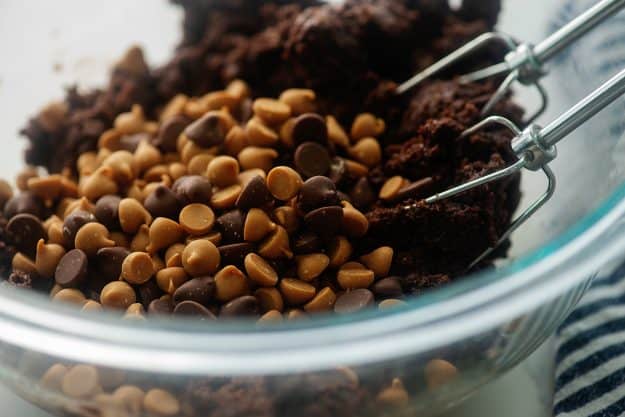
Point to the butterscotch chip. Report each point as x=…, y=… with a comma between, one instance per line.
x=217, y=100
x=81, y=381
x=21, y=179
x=98, y=184
x=235, y=141
x=213, y=237
x=137, y=268
x=52, y=379
x=323, y=301
x=120, y=239
x=68, y=188
x=238, y=89
x=82, y=203
x=164, y=232
x=226, y=197
x=146, y=156
x=161, y=403
x=271, y=111
x=439, y=372
x=296, y=291
x=135, y=310
x=157, y=262
x=47, y=188
x=130, y=122
x=254, y=157
x=21, y=262
x=296, y=314
x=284, y=182
x=132, y=214
x=190, y=150
x=47, y=258
x=177, y=170
x=91, y=305
x=121, y=162
x=379, y=261
x=199, y=163
x=355, y=224
x=169, y=279
x=6, y=192
x=197, y=219
x=299, y=100
x=130, y=397
x=257, y=225
x=366, y=124
x=391, y=187
x=260, y=135
x=277, y=245
x=269, y=299
x=141, y=240
x=310, y=266
x=91, y=237
x=286, y=217
x=230, y=283
x=259, y=271
x=70, y=295
x=174, y=107
x=356, y=169
x=339, y=251
x=353, y=275
x=390, y=303
x=200, y=257
x=248, y=175
x=223, y=171
x=286, y=133
x=118, y=294
x=394, y=395
x=173, y=250
x=272, y=316
x=336, y=134
x=367, y=151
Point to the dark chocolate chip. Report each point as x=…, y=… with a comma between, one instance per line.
x=254, y=194
x=317, y=192
x=387, y=288
x=25, y=202
x=160, y=306
x=416, y=190
x=106, y=211
x=307, y=242
x=72, y=269
x=163, y=202
x=246, y=305
x=148, y=292
x=20, y=279
x=231, y=226
x=311, y=159
x=25, y=231
x=108, y=263
x=191, y=308
x=326, y=221
x=338, y=170
x=167, y=137
x=193, y=189
x=310, y=127
x=362, y=194
x=201, y=290
x=235, y=253
x=207, y=131
x=353, y=301
x=74, y=222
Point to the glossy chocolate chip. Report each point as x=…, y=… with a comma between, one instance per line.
x=246, y=305
x=191, y=308
x=231, y=226
x=353, y=301
x=167, y=136
x=326, y=221
x=200, y=290
x=74, y=222
x=338, y=170
x=416, y=190
x=160, y=306
x=311, y=159
x=163, y=202
x=108, y=262
x=193, y=189
x=387, y=288
x=310, y=127
x=72, y=269
x=148, y=292
x=307, y=242
x=207, y=131
x=106, y=211
x=254, y=194
x=362, y=195
x=25, y=230
x=235, y=253
x=317, y=192
x=25, y=202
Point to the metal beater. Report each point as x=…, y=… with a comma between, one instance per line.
x=535, y=145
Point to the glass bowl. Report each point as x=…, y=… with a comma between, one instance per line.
x=441, y=346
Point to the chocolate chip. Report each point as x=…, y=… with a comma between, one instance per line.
x=25, y=231
x=160, y=306
x=418, y=189
x=72, y=269
x=387, y=288
x=246, y=305
x=326, y=221
x=148, y=292
x=362, y=194
x=310, y=127
x=163, y=202
x=106, y=211
x=74, y=222
x=338, y=170
x=25, y=202
x=191, y=308
x=317, y=192
x=254, y=194
x=235, y=253
x=231, y=226
x=307, y=242
x=311, y=159
x=200, y=290
x=108, y=263
x=167, y=137
x=207, y=131
x=193, y=189
x=353, y=301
